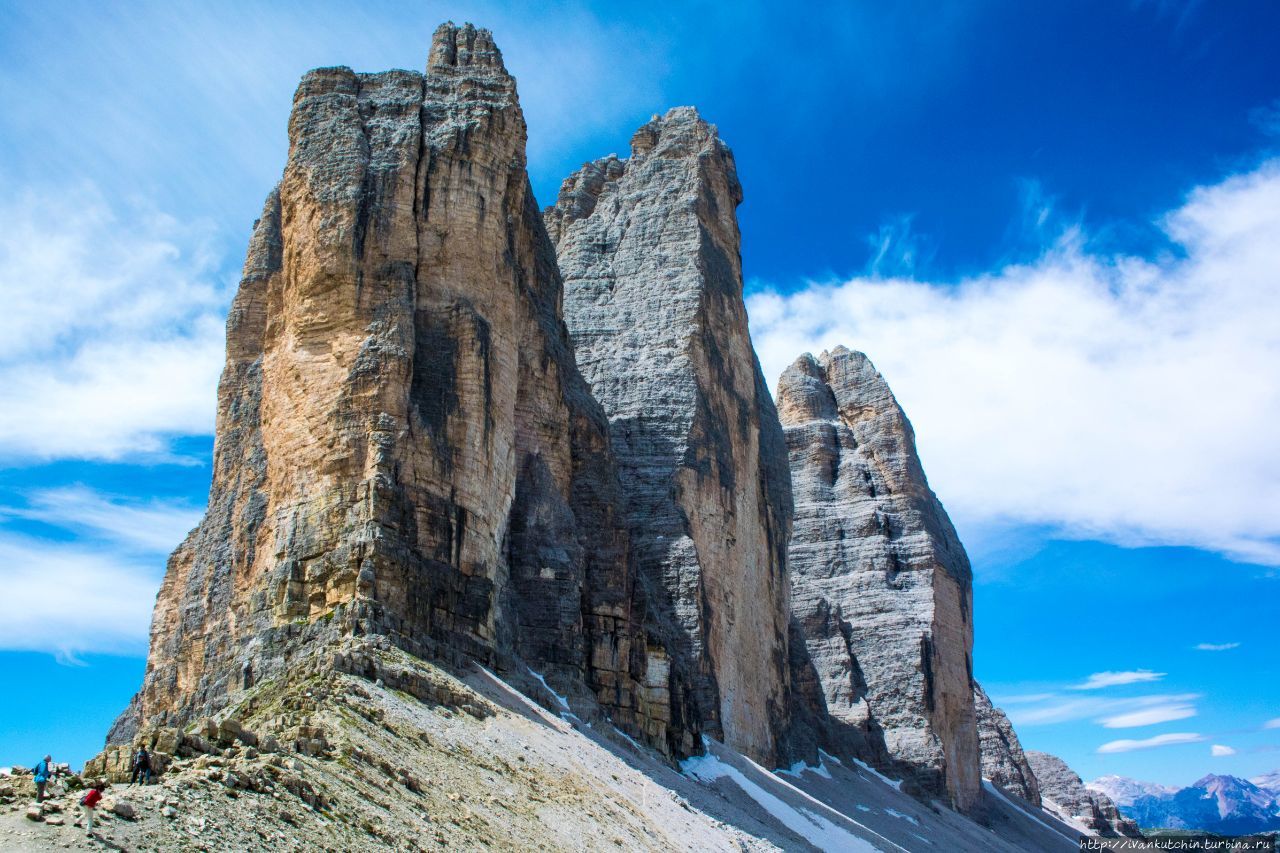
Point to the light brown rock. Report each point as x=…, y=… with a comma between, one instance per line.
x=404, y=444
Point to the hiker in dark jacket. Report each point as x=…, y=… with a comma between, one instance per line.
x=141, y=767
x=42, y=773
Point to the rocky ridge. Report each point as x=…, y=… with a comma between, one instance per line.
x=881, y=587
x=407, y=755
x=1003, y=761
x=1064, y=793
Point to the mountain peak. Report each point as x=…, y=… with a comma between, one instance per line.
x=465, y=46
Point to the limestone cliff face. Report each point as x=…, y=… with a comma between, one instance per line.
x=1003, y=761
x=405, y=446
x=649, y=251
x=1064, y=793
x=881, y=586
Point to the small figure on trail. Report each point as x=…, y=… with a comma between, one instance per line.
x=42, y=773
x=89, y=802
x=141, y=767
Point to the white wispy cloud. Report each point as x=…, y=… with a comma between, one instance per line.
x=1112, y=679
x=1121, y=364
x=70, y=599
x=1149, y=716
x=111, y=340
x=1272, y=724
x=147, y=525
x=1216, y=647
x=1149, y=743
x=1126, y=711
x=1220, y=751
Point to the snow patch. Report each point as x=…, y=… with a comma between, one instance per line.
x=815, y=829
x=629, y=739
x=902, y=816
x=564, y=702
x=799, y=767
x=895, y=784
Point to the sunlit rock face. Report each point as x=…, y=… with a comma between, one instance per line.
x=405, y=446
x=649, y=250
x=881, y=587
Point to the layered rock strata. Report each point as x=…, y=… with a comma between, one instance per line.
x=649, y=250
x=405, y=446
x=881, y=587
x=1003, y=761
x=1064, y=793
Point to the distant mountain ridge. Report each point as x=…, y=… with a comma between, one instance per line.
x=1123, y=791
x=1215, y=803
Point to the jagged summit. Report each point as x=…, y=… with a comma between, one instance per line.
x=465, y=46
x=681, y=135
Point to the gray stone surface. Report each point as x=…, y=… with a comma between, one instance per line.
x=1063, y=792
x=881, y=587
x=649, y=251
x=404, y=444
x=1003, y=761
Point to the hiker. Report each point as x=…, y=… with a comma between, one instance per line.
x=42, y=773
x=89, y=802
x=141, y=767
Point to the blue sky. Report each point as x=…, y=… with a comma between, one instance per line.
x=1055, y=227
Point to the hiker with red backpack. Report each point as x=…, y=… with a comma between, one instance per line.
x=89, y=802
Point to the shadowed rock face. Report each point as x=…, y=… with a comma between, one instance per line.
x=1064, y=792
x=1003, y=761
x=649, y=251
x=881, y=587
x=404, y=444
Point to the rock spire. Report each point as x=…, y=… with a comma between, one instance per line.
x=881, y=586
x=649, y=250
x=405, y=446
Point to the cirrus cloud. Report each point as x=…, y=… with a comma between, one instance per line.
x=1112, y=679
x=1171, y=739
x=1149, y=716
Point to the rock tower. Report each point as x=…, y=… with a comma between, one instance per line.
x=649, y=250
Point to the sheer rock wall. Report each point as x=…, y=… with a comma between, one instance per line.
x=881, y=586
x=405, y=446
x=649, y=251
